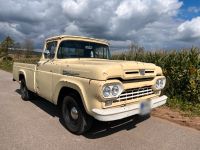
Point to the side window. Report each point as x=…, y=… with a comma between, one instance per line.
x=101, y=52
x=50, y=49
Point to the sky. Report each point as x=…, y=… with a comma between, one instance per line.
x=153, y=24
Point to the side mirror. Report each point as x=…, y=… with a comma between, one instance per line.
x=47, y=53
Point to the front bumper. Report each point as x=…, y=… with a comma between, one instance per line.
x=112, y=114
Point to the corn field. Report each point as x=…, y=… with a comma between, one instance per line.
x=181, y=68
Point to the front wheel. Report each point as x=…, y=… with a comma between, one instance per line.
x=75, y=118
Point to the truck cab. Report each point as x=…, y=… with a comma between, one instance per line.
x=77, y=74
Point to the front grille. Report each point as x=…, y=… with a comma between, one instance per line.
x=131, y=94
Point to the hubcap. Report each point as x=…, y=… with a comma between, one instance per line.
x=74, y=113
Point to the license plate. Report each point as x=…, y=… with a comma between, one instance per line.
x=145, y=107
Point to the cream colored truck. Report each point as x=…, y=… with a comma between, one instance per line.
x=76, y=73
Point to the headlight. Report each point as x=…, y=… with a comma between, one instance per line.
x=112, y=90
x=106, y=91
x=160, y=84
x=115, y=90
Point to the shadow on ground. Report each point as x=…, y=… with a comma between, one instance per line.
x=99, y=129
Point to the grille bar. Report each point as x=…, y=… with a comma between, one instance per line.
x=137, y=72
x=135, y=93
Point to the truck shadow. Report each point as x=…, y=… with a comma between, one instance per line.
x=44, y=105
x=102, y=129
x=99, y=129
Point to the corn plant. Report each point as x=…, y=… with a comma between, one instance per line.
x=181, y=68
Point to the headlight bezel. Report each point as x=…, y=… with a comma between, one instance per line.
x=159, y=84
x=111, y=95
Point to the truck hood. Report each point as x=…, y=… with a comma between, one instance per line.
x=101, y=69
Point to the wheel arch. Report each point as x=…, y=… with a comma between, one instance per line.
x=64, y=88
x=22, y=75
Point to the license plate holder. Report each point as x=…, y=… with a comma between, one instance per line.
x=145, y=107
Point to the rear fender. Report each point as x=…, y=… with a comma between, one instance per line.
x=22, y=72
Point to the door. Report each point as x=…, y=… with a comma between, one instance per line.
x=44, y=73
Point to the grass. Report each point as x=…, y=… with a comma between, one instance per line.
x=6, y=65
x=189, y=109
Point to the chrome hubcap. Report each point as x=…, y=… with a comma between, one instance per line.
x=74, y=113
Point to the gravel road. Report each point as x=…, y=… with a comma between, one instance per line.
x=31, y=125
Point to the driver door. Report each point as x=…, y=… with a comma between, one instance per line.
x=44, y=73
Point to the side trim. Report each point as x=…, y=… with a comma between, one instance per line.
x=70, y=73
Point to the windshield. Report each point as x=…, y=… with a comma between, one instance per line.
x=82, y=49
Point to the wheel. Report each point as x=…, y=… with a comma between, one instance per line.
x=74, y=116
x=25, y=93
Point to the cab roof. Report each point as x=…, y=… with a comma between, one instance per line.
x=71, y=37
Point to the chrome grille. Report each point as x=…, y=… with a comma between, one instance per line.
x=135, y=93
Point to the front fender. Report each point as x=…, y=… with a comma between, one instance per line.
x=76, y=85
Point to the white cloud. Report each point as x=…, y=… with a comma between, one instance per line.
x=151, y=23
x=190, y=30
x=10, y=29
x=74, y=8
x=72, y=29
x=194, y=9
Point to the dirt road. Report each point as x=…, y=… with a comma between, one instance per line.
x=35, y=125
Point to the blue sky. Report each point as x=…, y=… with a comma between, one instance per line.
x=190, y=9
x=153, y=24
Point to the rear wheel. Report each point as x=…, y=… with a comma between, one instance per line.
x=74, y=116
x=25, y=93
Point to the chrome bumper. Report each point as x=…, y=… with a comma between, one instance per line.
x=111, y=114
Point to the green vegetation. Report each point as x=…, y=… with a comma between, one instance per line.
x=189, y=108
x=6, y=65
x=182, y=70
x=5, y=45
x=10, y=52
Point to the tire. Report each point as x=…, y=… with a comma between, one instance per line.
x=74, y=116
x=25, y=93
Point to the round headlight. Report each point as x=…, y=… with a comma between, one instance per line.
x=112, y=90
x=160, y=83
x=106, y=91
x=115, y=90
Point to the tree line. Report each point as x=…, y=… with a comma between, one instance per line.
x=9, y=45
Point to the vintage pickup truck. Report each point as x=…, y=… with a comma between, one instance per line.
x=76, y=74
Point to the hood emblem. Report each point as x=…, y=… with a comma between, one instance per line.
x=142, y=71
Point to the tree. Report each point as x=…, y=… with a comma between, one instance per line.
x=0, y=49
x=6, y=44
x=135, y=47
x=28, y=45
x=18, y=50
